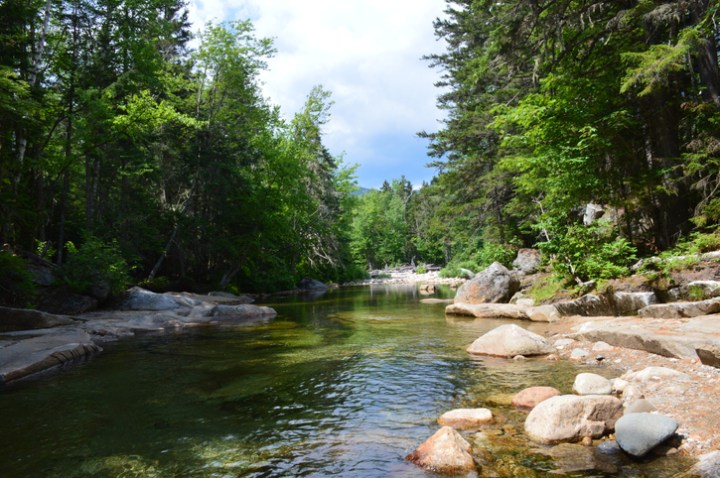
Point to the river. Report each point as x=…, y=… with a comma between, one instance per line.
x=345, y=385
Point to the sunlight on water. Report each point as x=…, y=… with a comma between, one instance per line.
x=346, y=385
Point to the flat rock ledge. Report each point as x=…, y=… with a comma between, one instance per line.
x=63, y=340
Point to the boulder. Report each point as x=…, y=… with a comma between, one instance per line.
x=708, y=465
x=138, y=298
x=589, y=305
x=709, y=354
x=579, y=354
x=638, y=433
x=593, y=212
x=306, y=283
x=695, y=290
x=543, y=313
x=527, y=261
x=676, y=310
x=26, y=319
x=63, y=301
x=656, y=374
x=444, y=452
x=592, y=384
x=494, y=284
x=570, y=418
x=510, y=340
x=466, y=418
x=629, y=303
x=488, y=311
x=529, y=398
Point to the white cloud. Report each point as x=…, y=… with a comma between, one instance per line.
x=366, y=52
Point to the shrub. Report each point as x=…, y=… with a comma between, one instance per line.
x=596, y=251
x=17, y=288
x=421, y=268
x=93, y=264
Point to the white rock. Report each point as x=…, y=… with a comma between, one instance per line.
x=591, y=384
x=510, y=340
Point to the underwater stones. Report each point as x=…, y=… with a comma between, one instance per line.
x=466, y=418
x=529, y=398
x=638, y=433
x=444, y=452
x=570, y=418
x=510, y=340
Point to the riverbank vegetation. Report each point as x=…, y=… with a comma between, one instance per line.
x=128, y=154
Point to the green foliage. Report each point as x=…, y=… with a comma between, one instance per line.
x=421, y=269
x=544, y=290
x=589, y=252
x=17, y=288
x=95, y=263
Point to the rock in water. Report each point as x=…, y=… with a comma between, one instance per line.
x=638, y=433
x=466, y=418
x=529, y=398
x=510, y=340
x=592, y=384
x=494, y=284
x=444, y=452
x=570, y=418
x=138, y=298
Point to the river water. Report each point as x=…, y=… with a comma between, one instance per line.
x=345, y=385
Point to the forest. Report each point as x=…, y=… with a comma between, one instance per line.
x=129, y=156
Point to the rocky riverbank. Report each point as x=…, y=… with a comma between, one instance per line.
x=33, y=341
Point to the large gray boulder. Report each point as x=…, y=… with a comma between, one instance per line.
x=510, y=340
x=527, y=261
x=708, y=465
x=242, y=312
x=444, y=452
x=494, y=284
x=591, y=384
x=570, y=418
x=629, y=303
x=138, y=298
x=638, y=433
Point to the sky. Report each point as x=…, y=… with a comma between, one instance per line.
x=367, y=53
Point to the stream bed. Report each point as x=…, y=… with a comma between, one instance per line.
x=344, y=385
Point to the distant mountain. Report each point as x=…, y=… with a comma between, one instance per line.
x=361, y=192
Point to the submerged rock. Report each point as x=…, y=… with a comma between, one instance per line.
x=529, y=398
x=570, y=418
x=488, y=311
x=466, y=418
x=638, y=433
x=510, y=340
x=444, y=452
x=494, y=284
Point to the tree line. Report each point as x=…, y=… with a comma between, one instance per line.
x=553, y=105
x=127, y=156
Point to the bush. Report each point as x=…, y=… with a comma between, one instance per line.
x=95, y=264
x=421, y=268
x=17, y=288
x=596, y=251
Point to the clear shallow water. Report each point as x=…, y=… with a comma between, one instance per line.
x=346, y=385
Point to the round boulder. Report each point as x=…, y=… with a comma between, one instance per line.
x=466, y=418
x=570, y=418
x=592, y=384
x=138, y=298
x=529, y=398
x=444, y=452
x=510, y=340
x=494, y=284
x=638, y=433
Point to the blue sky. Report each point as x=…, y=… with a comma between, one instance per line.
x=368, y=54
